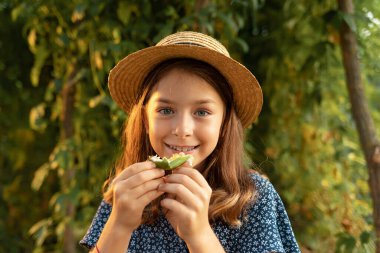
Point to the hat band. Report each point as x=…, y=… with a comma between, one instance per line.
x=189, y=43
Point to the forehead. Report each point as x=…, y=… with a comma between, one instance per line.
x=182, y=85
x=180, y=79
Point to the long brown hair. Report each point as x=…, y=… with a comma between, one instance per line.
x=233, y=189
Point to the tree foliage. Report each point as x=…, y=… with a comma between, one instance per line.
x=305, y=139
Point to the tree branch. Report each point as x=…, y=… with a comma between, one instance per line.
x=360, y=111
x=67, y=131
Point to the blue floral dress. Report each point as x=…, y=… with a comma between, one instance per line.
x=267, y=229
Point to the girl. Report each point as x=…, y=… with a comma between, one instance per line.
x=187, y=95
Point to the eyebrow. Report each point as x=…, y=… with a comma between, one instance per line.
x=200, y=102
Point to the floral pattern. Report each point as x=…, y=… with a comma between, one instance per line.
x=266, y=229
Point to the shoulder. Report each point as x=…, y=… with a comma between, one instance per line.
x=262, y=184
x=266, y=199
x=258, y=178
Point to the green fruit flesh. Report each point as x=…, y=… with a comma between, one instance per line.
x=168, y=164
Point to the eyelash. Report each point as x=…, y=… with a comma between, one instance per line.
x=163, y=110
x=167, y=111
x=206, y=113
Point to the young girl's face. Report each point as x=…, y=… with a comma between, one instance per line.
x=184, y=114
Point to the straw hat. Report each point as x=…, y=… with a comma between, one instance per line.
x=129, y=73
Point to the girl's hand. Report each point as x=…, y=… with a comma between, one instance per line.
x=187, y=209
x=133, y=189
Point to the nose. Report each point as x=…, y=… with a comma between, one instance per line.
x=183, y=126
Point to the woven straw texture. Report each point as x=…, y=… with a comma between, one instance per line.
x=126, y=77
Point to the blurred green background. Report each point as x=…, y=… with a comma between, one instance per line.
x=60, y=130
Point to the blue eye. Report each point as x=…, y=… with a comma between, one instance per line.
x=165, y=111
x=202, y=113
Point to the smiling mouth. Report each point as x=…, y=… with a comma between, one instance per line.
x=183, y=148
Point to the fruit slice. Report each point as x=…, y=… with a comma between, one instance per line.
x=173, y=162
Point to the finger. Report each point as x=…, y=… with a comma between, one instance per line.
x=125, y=194
x=174, y=206
x=187, y=164
x=168, y=195
x=134, y=169
x=194, y=175
x=144, y=176
x=149, y=197
x=148, y=186
x=180, y=192
x=185, y=180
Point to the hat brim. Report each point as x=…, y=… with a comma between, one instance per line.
x=126, y=77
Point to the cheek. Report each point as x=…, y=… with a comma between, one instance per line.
x=157, y=129
x=211, y=132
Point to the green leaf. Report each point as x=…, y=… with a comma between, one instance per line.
x=346, y=243
x=125, y=10
x=40, y=175
x=42, y=53
x=40, y=230
x=242, y=44
x=58, y=201
x=95, y=101
x=365, y=237
x=37, y=119
x=60, y=229
x=18, y=11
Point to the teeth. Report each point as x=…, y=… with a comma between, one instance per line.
x=182, y=149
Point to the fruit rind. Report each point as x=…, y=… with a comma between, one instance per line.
x=171, y=163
